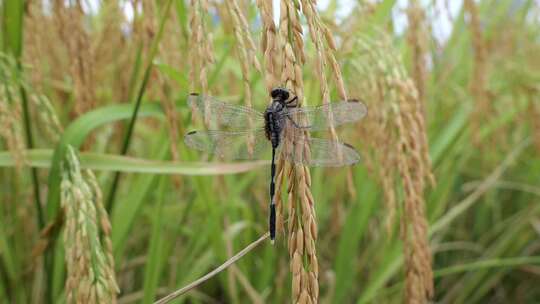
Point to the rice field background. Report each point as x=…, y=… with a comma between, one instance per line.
x=102, y=202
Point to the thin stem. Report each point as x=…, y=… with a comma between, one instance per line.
x=214, y=272
x=30, y=145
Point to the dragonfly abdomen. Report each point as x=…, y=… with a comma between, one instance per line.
x=272, y=128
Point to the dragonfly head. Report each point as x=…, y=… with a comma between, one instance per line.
x=280, y=94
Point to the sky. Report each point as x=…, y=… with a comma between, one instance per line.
x=442, y=25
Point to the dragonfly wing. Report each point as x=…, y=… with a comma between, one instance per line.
x=301, y=149
x=224, y=114
x=239, y=145
x=322, y=117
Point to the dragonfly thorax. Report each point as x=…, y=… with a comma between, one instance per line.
x=273, y=121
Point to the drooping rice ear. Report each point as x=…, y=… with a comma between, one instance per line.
x=87, y=237
x=399, y=157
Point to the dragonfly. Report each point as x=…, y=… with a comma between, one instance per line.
x=243, y=133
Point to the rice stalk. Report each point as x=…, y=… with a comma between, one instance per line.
x=89, y=258
x=200, y=42
x=11, y=129
x=148, y=23
x=245, y=49
x=478, y=82
x=113, y=53
x=13, y=80
x=302, y=227
x=397, y=130
x=325, y=53
x=417, y=39
x=172, y=123
x=34, y=22
x=414, y=226
x=47, y=117
x=326, y=49
x=147, y=28
x=269, y=45
x=315, y=31
x=47, y=61
x=70, y=26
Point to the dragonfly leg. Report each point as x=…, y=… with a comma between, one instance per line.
x=290, y=104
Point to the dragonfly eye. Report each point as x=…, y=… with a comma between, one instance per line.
x=280, y=93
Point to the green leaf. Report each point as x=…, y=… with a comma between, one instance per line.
x=41, y=158
x=157, y=246
x=12, y=26
x=449, y=135
x=492, y=263
x=354, y=229
x=393, y=260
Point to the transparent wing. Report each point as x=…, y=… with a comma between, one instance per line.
x=322, y=117
x=240, y=145
x=300, y=148
x=222, y=114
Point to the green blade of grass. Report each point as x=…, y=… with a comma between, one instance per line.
x=448, y=136
x=475, y=266
x=491, y=263
x=353, y=231
x=156, y=247
x=181, y=12
x=6, y=257
x=41, y=158
x=124, y=215
x=392, y=262
x=12, y=27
